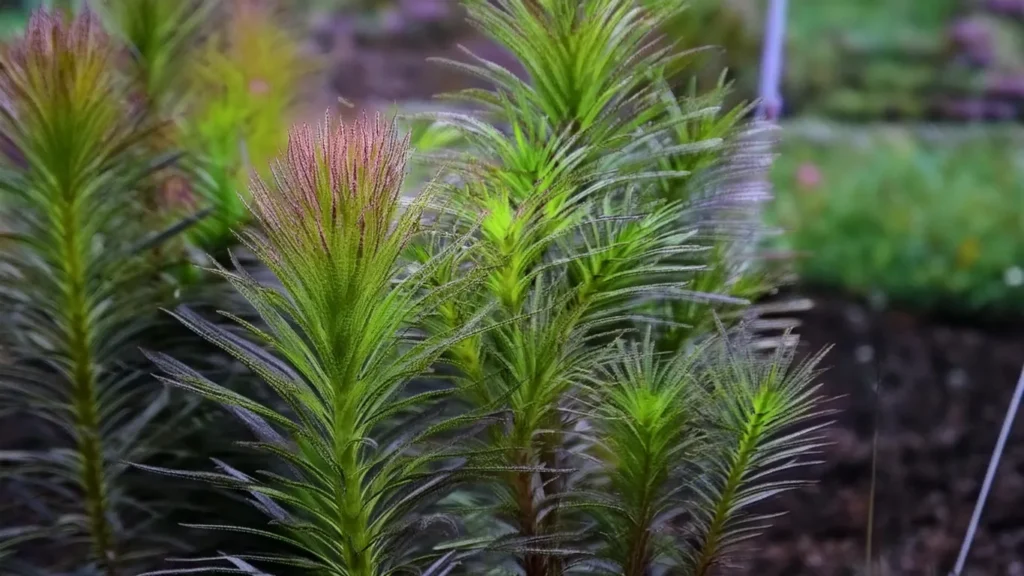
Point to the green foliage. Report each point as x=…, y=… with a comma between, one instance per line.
x=878, y=18
x=928, y=219
x=160, y=35
x=222, y=78
x=859, y=60
x=241, y=90
x=353, y=441
x=89, y=218
x=78, y=296
x=726, y=32
x=728, y=161
x=762, y=423
x=692, y=437
x=467, y=361
x=872, y=59
x=595, y=192
x=12, y=22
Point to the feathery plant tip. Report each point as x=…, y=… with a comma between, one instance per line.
x=339, y=183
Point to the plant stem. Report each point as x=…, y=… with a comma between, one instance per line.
x=83, y=391
x=724, y=507
x=638, y=559
x=552, y=482
x=533, y=564
x=349, y=495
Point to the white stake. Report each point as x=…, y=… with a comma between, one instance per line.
x=770, y=105
x=990, y=476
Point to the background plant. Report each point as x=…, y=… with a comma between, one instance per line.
x=79, y=294
x=242, y=87
x=160, y=37
x=92, y=210
x=928, y=219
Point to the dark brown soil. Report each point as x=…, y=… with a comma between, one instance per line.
x=943, y=393
x=381, y=66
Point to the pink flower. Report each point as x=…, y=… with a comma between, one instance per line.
x=808, y=176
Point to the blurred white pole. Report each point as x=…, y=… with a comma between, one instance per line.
x=769, y=92
x=990, y=476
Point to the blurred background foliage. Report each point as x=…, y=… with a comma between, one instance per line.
x=929, y=218
x=900, y=172
x=878, y=202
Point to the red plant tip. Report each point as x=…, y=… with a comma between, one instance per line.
x=258, y=87
x=177, y=192
x=60, y=62
x=335, y=182
x=50, y=37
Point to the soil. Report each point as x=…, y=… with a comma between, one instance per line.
x=942, y=396
x=377, y=63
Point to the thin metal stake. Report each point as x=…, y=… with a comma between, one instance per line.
x=770, y=105
x=993, y=465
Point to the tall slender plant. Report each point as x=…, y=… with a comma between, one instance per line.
x=78, y=296
x=160, y=37
x=156, y=41
x=356, y=470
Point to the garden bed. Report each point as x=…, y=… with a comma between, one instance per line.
x=944, y=391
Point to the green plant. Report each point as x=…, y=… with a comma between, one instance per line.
x=478, y=344
x=870, y=60
x=359, y=470
x=578, y=247
x=707, y=421
x=538, y=196
x=930, y=221
x=160, y=36
x=78, y=293
x=727, y=35
x=241, y=97
x=726, y=162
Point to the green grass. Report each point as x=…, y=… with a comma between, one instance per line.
x=933, y=219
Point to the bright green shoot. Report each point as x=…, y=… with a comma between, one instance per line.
x=765, y=416
x=686, y=443
x=647, y=415
x=564, y=176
